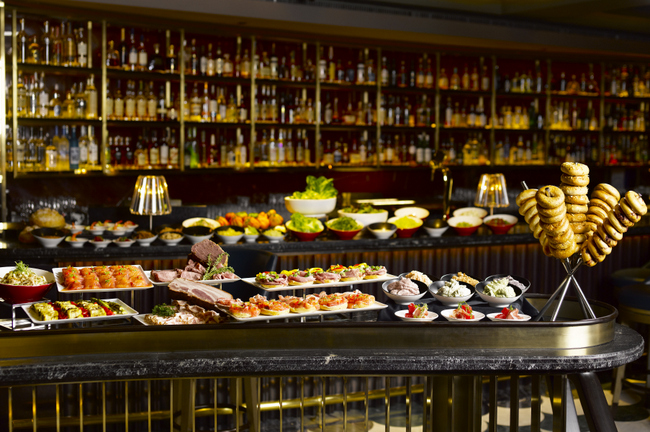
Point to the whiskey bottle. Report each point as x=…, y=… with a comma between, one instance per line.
x=23, y=43
x=133, y=53
x=91, y=92
x=156, y=63
x=81, y=103
x=152, y=104
x=57, y=46
x=171, y=65
x=118, y=103
x=123, y=50
x=143, y=56
x=82, y=48
x=129, y=102
x=83, y=148
x=70, y=48
x=55, y=103
x=46, y=44
x=112, y=56
x=34, y=51
x=141, y=104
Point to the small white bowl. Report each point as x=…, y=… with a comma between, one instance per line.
x=130, y=228
x=146, y=242
x=401, y=314
x=251, y=238
x=229, y=239
x=100, y=244
x=404, y=299
x=78, y=243
x=116, y=231
x=382, y=230
x=172, y=242
x=449, y=301
x=97, y=231
x=418, y=212
x=124, y=244
x=74, y=228
x=310, y=207
x=193, y=222
x=447, y=314
x=366, y=219
x=48, y=242
x=474, y=223
x=493, y=317
x=435, y=227
x=497, y=301
x=471, y=211
x=274, y=239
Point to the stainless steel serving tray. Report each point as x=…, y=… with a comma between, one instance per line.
x=251, y=281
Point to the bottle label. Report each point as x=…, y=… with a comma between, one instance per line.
x=243, y=154
x=142, y=108
x=154, y=156
x=152, y=108
x=93, y=154
x=130, y=108
x=143, y=59
x=133, y=57
x=118, y=108
x=164, y=154
x=82, y=52
x=74, y=157
x=173, y=156
x=109, y=107
x=142, y=159
x=83, y=155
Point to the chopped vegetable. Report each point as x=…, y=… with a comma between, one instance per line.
x=273, y=233
x=163, y=310
x=251, y=230
x=363, y=208
x=317, y=188
x=417, y=311
x=406, y=222
x=301, y=223
x=345, y=223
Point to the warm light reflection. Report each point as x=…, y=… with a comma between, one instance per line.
x=492, y=192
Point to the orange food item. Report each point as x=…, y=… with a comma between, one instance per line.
x=223, y=221
x=100, y=277
x=275, y=219
x=251, y=221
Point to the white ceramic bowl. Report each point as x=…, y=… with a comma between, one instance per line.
x=497, y=301
x=51, y=237
x=274, y=239
x=97, y=231
x=471, y=211
x=124, y=243
x=80, y=242
x=493, y=317
x=130, y=228
x=310, y=207
x=251, y=238
x=75, y=228
x=449, y=301
x=100, y=244
x=229, y=239
x=404, y=299
x=366, y=219
x=525, y=282
x=401, y=314
x=418, y=212
x=116, y=231
x=146, y=242
x=447, y=314
x=474, y=223
x=406, y=232
x=382, y=230
x=172, y=242
x=193, y=221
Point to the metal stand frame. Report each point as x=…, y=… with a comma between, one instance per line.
x=571, y=265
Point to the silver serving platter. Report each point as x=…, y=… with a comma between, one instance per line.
x=375, y=306
x=34, y=317
x=212, y=282
x=58, y=275
x=251, y=281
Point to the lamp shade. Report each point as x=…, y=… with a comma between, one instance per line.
x=491, y=191
x=150, y=196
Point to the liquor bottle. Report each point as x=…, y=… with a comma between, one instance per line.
x=82, y=48
x=164, y=150
x=281, y=148
x=83, y=148
x=171, y=65
x=245, y=65
x=195, y=104
x=54, y=110
x=205, y=103
x=228, y=67
x=51, y=154
x=93, y=149
x=454, y=83
x=129, y=101
x=174, y=152
x=152, y=104
x=40, y=151
x=156, y=63
x=141, y=104
x=63, y=149
x=218, y=62
x=208, y=59
x=80, y=103
x=465, y=82
x=112, y=56
x=403, y=80
x=140, y=154
x=118, y=103
x=70, y=50
x=43, y=99
x=23, y=43
x=91, y=92
x=57, y=47
x=231, y=110
x=161, y=105
x=123, y=50
x=74, y=149
x=361, y=70
x=133, y=52
x=34, y=51
x=32, y=97
x=143, y=56
x=154, y=150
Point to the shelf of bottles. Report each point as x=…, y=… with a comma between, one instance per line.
x=182, y=100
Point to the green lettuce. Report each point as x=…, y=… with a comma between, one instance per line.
x=317, y=188
x=301, y=223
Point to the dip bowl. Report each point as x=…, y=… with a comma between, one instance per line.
x=196, y=234
x=343, y=234
x=418, y=212
x=506, y=222
x=435, y=227
x=472, y=222
x=470, y=211
x=522, y=280
x=449, y=301
x=229, y=239
x=497, y=301
x=49, y=237
x=382, y=230
x=303, y=236
x=404, y=299
x=406, y=232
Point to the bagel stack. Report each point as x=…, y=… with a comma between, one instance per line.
x=528, y=209
x=574, y=182
x=622, y=216
x=558, y=239
x=604, y=198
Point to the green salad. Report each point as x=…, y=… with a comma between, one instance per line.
x=317, y=188
x=363, y=208
x=344, y=223
x=301, y=223
x=250, y=230
x=273, y=233
x=406, y=222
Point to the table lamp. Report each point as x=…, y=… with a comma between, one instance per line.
x=150, y=197
x=492, y=192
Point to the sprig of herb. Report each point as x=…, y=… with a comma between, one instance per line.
x=163, y=310
x=21, y=267
x=213, y=269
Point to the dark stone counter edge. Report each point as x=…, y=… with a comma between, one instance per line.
x=627, y=346
x=16, y=250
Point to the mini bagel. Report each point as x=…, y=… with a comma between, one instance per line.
x=548, y=251
x=627, y=209
x=595, y=202
x=594, y=251
x=525, y=196
x=608, y=188
x=595, y=219
x=565, y=253
x=552, y=220
x=530, y=213
x=576, y=217
x=526, y=205
x=610, y=199
x=574, y=169
x=613, y=220
x=636, y=202
x=564, y=245
x=579, y=227
x=601, y=245
x=576, y=208
x=550, y=196
x=574, y=190
x=580, y=238
x=611, y=231
x=582, y=180
x=598, y=211
x=551, y=212
x=537, y=231
x=611, y=242
x=534, y=219
x=561, y=238
x=587, y=258
x=555, y=229
x=576, y=199
x=620, y=216
x=592, y=226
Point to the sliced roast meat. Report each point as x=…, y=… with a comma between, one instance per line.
x=224, y=275
x=352, y=273
x=196, y=293
x=190, y=275
x=380, y=272
x=325, y=277
x=301, y=277
x=163, y=275
x=207, y=250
